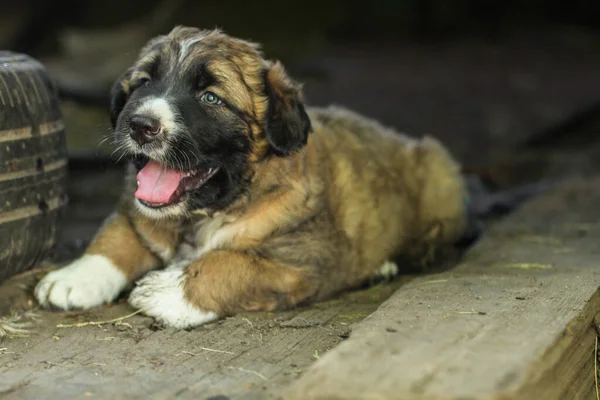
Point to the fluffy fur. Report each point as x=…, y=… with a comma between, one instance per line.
x=305, y=202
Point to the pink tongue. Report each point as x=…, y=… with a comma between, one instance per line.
x=156, y=183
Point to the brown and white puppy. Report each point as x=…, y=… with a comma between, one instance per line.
x=238, y=198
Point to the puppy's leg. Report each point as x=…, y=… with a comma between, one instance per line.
x=387, y=271
x=218, y=284
x=112, y=261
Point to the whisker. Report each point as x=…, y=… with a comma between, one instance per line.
x=104, y=140
x=182, y=167
x=124, y=152
x=120, y=148
x=187, y=157
x=194, y=150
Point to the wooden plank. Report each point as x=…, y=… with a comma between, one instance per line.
x=513, y=321
x=250, y=356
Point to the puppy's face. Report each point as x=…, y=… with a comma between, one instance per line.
x=196, y=112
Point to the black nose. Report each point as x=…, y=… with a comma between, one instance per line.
x=143, y=128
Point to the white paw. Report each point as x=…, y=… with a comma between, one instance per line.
x=88, y=282
x=388, y=270
x=160, y=294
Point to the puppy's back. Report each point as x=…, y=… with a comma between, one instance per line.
x=386, y=189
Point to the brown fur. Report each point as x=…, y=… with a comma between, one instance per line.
x=315, y=222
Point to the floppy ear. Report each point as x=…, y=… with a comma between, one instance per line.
x=288, y=124
x=119, y=94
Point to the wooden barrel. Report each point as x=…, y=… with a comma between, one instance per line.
x=33, y=163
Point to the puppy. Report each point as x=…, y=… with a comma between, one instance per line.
x=238, y=197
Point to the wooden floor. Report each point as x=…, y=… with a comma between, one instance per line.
x=249, y=356
x=515, y=320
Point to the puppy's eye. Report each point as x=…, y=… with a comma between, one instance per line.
x=211, y=98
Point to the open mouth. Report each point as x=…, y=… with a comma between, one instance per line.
x=160, y=186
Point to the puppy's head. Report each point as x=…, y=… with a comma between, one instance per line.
x=195, y=112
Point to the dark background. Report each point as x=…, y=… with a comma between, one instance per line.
x=512, y=87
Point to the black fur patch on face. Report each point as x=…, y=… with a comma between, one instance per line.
x=219, y=137
x=208, y=135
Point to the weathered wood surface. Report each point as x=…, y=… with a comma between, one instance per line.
x=513, y=321
x=251, y=356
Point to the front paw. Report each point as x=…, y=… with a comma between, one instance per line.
x=88, y=282
x=387, y=271
x=160, y=294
